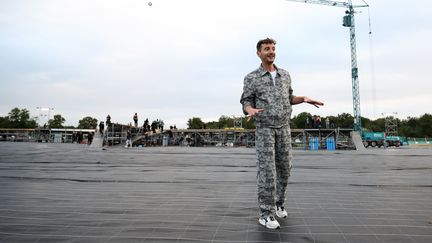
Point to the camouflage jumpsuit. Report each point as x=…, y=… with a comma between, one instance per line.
x=273, y=135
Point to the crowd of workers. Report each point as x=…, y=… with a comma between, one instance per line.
x=154, y=126
x=316, y=123
x=146, y=127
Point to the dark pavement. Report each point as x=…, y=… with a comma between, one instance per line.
x=74, y=193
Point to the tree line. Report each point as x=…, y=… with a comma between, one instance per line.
x=20, y=118
x=409, y=127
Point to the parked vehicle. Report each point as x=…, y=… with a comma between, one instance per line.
x=374, y=139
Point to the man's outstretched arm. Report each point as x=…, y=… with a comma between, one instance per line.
x=304, y=99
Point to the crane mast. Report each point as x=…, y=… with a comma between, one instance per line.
x=348, y=21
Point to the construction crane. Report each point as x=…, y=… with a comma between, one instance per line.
x=348, y=21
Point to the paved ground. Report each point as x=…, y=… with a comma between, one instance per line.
x=73, y=193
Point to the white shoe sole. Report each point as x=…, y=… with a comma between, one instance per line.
x=263, y=223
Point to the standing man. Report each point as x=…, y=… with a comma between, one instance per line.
x=89, y=138
x=268, y=98
x=128, y=138
x=135, y=118
x=108, y=121
x=101, y=127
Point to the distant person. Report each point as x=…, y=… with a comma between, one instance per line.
x=135, y=118
x=268, y=98
x=318, y=122
x=308, y=122
x=146, y=126
x=327, y=122
x=188, y=140
x=80, y=137
x=101, y=127
x=74, y=137
x=128, y=139
x=89, y=138
x=108, y=121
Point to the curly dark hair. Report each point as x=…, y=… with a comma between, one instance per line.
x=265, y=41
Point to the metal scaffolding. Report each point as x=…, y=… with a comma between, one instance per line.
x=241, y=137
x=391, y=127
x=115, y=134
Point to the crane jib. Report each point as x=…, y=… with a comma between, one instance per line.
x=348, y=21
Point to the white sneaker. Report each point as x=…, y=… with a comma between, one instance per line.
x=269, y=222
x=280, y=212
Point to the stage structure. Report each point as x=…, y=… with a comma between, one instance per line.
x=114, y=135
x=301, y=138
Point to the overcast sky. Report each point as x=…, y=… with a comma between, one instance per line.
x=180, y=59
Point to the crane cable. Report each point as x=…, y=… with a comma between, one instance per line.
x=372, y=65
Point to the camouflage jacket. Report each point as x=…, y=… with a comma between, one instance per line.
x=260, y=92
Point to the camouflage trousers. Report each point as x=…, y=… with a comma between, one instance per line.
x=273, y=148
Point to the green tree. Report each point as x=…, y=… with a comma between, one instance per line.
x=345, y=120
x=425, y=124
x=87, y=122
x=212, y=125
x=299, y=121
x=20, y=118
x=4, y=122
x=366, y=123
x=57, y=122
x=225, y=121
x=377, y=125
x=409, y=127
x=195, y=123
x=248, y=124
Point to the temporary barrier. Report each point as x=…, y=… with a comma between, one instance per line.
x=314, y=143
x=330, y=143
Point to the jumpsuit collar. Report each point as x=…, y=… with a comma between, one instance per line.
x=263, y=72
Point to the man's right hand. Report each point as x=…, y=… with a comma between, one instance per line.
x=252, y=111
